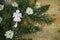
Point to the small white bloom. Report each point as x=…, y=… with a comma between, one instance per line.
x=14, y=4
x=29, y=11
x=1, y=7
x=9, y=34
x=0, y=19
x=37, y=5
x=37, y=24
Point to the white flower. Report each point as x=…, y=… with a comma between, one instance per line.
x=14, y=4
x=1, y=7
x=37, y=5
x=0, y=19
x=9, y=34
x=29, y=11
x=37, y=24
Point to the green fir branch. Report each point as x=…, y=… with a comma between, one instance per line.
x=23, y=4
x=41, y=10
x=34, y=3
x=45, y=18
x=27, y=19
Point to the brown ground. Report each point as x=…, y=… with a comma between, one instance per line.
x=49, y=32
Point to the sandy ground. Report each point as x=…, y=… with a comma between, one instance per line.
x=49, y=32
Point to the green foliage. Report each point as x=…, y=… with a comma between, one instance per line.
x=27, y=18
x=27, y=29
x=34, y=2
x=39, y=15
x=41, y=10
x=7, y=22
x=23, y=4
x=45, y=18
x=1, y=1
x=7, y=16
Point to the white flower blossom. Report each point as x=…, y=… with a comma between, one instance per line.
x=9, y=34
x=37, y=5
x=37, y=24
x=29, y=11
x=0, y=19
x=1, y=7
x=14, y=4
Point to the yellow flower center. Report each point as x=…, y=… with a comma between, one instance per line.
x=0, y=7
x=29, y=11
x=14, y=4
x=10, y=33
